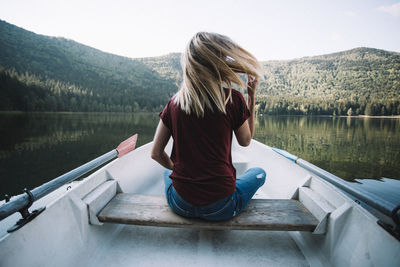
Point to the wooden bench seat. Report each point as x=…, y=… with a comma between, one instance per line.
x=260, y=214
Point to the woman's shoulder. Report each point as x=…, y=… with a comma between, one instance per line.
x=235, y=92
x=237, y=103
x=237, y=96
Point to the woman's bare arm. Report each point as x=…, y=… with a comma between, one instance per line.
x=160, y=141
x=246, y=132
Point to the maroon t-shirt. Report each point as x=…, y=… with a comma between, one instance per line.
x=203, y=172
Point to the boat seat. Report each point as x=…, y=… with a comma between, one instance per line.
x=260, y=214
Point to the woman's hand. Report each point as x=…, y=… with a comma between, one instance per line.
x=252, y=84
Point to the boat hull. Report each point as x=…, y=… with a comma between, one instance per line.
x=63, y=236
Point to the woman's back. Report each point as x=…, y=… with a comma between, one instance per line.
x=201, y=118
x=202, y=150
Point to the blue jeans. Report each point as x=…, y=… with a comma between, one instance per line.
x=224, y=209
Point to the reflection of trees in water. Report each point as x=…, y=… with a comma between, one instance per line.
x=348, y=147
x=24, y=131
x=52, y=139
x=35, y=148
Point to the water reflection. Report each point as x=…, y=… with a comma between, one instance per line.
x=35, y=148
x=347, y=147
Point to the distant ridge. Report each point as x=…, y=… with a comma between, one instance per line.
x=353, y=82
x=75, y=76
x=360, y=81
x=47, y=73
x=168, y=66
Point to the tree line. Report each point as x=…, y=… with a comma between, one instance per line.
x=41, y=73
x=362, y=81
x=302, y=106
x=26, y=92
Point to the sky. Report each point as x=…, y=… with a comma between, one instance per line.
x=271, y=30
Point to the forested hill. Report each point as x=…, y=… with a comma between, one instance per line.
x=358, y=81
x=47, y=73
x=361, y=81
x=168, y=67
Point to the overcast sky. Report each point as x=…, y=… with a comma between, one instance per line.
x=279, y=29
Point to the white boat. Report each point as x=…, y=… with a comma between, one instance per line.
x=69, y=233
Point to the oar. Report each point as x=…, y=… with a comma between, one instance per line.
x=23, y=202
x=387, y=208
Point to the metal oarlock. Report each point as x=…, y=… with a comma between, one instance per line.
x=26, y=215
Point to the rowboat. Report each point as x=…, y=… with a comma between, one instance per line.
x=117, y=216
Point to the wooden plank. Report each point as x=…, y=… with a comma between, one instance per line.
x=260, y=214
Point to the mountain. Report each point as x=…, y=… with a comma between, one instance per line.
x=361, y=81
x=46, y=73
x=357, y=81
x=168, y=67
x=74, y=76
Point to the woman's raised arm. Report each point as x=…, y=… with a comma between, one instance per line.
x=246, y=132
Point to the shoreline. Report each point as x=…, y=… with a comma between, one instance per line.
x=73, y=112
x=147, y=112
x=381, y=117
x=331, y=116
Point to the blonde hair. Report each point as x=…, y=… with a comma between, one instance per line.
x=209, y=62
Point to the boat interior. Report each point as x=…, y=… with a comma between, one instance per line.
x=118, y=217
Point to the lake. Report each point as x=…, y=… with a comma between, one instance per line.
x=37, y=147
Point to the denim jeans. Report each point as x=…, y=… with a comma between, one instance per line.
x=224, y=209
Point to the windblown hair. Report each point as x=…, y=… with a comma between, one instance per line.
x=210, y=62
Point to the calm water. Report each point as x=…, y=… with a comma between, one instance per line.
x=35, y=148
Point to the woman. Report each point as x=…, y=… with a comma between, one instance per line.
x=201, y=180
